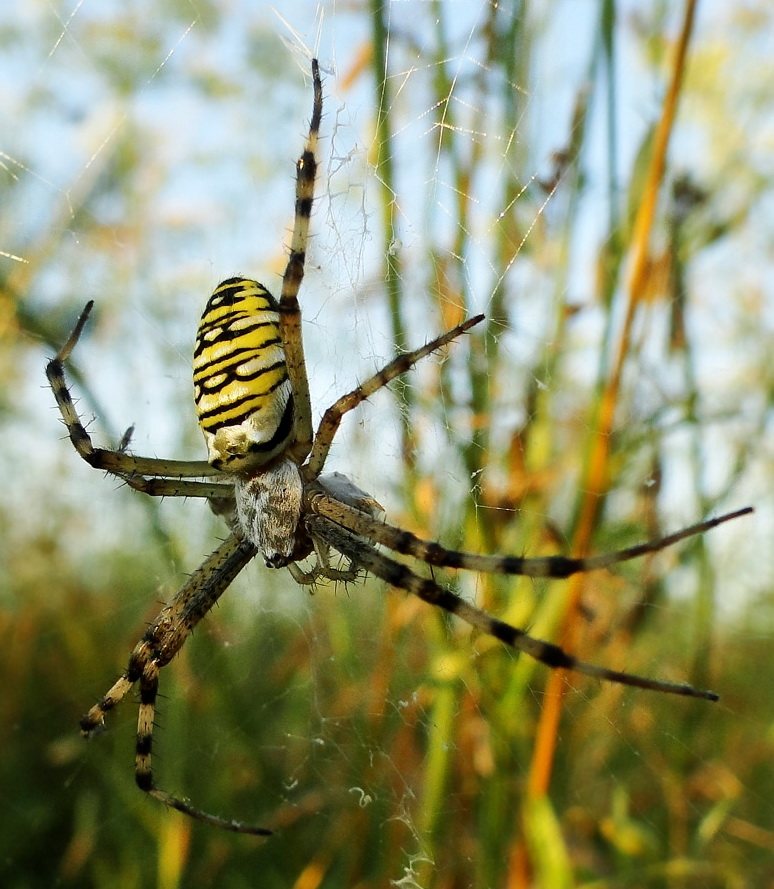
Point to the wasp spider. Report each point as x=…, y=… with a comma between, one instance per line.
x=264, y=476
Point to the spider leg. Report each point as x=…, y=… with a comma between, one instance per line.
x=175, y=487
x=325, y=569
x=149, y=684
x=290, y=311
x=116, y=462
x=332, y=417
x=159, y=644
x=166, y=635
x=398, y=575
x=322, y=567
x=406, y=543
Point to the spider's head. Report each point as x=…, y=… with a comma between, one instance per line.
x=268, y=506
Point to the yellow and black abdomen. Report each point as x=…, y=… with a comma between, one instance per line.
x=241, y=386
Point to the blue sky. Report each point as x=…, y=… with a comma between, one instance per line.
x=190, y=122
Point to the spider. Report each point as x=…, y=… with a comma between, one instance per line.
x=264, y=477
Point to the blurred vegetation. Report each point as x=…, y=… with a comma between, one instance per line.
x=603, y=197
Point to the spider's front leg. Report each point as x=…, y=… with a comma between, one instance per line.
x=400, y=576
x=174, y=623
x=159, y=644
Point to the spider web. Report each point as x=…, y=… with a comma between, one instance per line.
x=148, y=153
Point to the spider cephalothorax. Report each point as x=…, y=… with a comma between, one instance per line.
x=264, y=476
